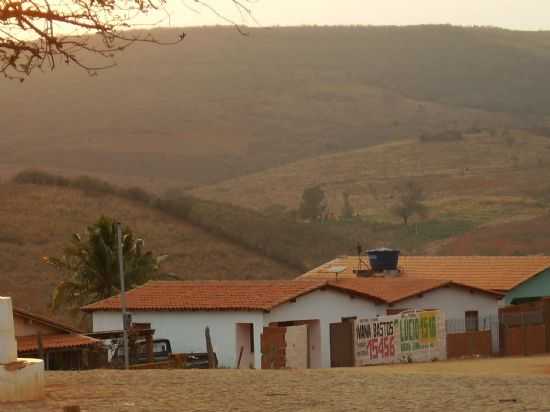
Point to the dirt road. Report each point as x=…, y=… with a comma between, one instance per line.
x=513, y=384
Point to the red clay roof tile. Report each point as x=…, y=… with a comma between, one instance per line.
x=393, y=290
x=30, y=343
x=210, y=295
x=262, y=295
x=500, y=273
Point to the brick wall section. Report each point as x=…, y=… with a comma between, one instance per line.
x=273, y=347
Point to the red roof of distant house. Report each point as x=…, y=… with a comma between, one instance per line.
x=263, y=295
x=45, y=321
x=393, y=290
x=210, y=295
x=500, y=273
x=64, y=341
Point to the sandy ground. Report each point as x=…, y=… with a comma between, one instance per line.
x=512, y=384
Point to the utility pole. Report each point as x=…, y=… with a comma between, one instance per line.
x=123, y=297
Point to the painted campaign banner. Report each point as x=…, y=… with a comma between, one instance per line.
x=414, y=336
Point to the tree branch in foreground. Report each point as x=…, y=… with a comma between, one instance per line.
x=39, y=34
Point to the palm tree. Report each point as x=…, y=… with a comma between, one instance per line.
x=89, y=266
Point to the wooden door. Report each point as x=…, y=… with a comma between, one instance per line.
x=342, y=345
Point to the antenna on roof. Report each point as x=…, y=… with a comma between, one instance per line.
x=359, y=252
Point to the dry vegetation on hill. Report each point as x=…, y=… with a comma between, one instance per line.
x=482, y=177
x=38, y=221
x=492, y=180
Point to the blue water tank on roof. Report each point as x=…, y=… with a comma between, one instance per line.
x=383, y=259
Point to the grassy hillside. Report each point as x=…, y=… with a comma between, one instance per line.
x=482, y=177
x=223, y=105
x=38, y=221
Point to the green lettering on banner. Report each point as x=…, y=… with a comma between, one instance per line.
x=433, y=327
x=426, y=327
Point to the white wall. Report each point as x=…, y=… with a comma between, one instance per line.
x=186, y=330
x=454, y=301
x=327, y=306
x=243, y=341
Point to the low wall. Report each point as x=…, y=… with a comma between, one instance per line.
x=469, y=344
x=22, y=380
x=524, y=340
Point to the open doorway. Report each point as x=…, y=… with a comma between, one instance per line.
x=245, y=346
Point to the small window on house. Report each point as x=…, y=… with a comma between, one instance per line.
x=349, y=318
x=472, y=321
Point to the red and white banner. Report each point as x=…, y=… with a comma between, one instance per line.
x=416, y=336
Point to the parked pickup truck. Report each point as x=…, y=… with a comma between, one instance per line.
x=161, y=352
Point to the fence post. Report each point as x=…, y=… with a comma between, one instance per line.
x=524, y=334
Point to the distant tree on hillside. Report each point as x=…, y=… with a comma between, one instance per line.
x=41, y=34
x=410, y=199
x=89, y=266
x=314, y=204
x=347, y=212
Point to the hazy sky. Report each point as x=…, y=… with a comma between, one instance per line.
x=514, y=14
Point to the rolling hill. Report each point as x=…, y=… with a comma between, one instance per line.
x=222, y=105
x=38, y=221
x=252, y=121
x=477, y=181
x=526, y=237
x=482, y=176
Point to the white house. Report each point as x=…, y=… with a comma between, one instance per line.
x=239, y=313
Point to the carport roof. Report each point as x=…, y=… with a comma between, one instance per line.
x=61, y=341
